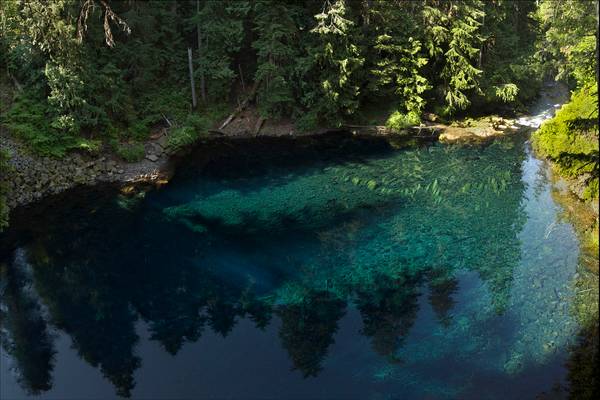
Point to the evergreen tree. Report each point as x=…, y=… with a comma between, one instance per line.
x=222, y=26
x=398, y=56
x=334, y=65
x=275, y=45
x=94, y=71
x=569, y=44
x=506, y=56
x=459, y=72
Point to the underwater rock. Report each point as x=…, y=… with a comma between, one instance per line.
x=514, y=364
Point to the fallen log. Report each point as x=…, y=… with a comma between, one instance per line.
x=241, y=107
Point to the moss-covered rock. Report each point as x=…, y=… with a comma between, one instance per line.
x=570, y=141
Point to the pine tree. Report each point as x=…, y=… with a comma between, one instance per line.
x=570, y=39
x=398, y=54
x=275, y=45
x=459, y=71
x=222, y=25
x=335, y=65
x=506, y=56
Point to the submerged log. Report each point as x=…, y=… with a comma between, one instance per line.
x=421, y=132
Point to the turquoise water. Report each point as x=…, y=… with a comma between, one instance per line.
x=312, y=268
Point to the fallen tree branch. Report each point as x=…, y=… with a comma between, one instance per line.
x=240, y=107
x=167, y=119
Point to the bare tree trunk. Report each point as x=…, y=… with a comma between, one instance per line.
x=242, y=78
x=202, y=82
x=192, y=77
x=479, y=63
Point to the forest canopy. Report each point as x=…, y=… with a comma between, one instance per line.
x=94, y=70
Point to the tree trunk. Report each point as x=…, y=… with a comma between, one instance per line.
x=202, y=82
x=242, y=78
x=480, y=61
x=192, y=77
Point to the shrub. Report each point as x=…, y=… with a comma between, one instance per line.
x=131, y=152
x=139, y=130
x=399, y=121
x=182, y=137
x=197, y=122
x=29, y=120
x=591, y=191
x=307, y=122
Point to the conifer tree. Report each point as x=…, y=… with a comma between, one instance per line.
x=276, y=45
x=399, y=55
x=459, y=72
x=336, y=62
x=222, y=25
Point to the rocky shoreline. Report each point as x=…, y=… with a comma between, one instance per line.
x=30, y=178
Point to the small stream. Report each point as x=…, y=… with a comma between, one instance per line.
x=311, y=268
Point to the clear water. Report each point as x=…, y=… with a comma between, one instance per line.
x=317, y=268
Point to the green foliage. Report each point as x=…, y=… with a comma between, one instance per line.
x=591, y=192
x=28, y=120
x=275, y=46
x=570, y=144
x=399, y=66
x=192, y=126
x=507, y=92
x=511, y=74
x=569, y=44
x=122, y=71
x=182, y=137
x=131, y=152
x=459, y=73
x=334, y=64
x=199, y=123
x=307, y=122
x=222, y=31
x=399, y=121
x=196, y=126
x=568, y=49
x=139, y=130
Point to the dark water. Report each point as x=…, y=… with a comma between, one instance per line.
x=333, y=268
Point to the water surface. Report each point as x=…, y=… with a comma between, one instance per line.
x=309, y=268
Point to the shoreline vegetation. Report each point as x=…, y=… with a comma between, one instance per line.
x=91, y=93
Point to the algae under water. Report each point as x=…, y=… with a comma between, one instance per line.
x=312, y=268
